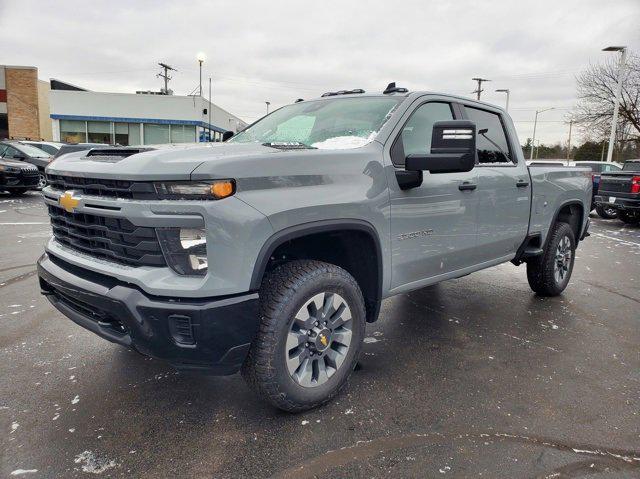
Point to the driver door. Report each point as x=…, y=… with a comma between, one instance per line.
x=433, y=226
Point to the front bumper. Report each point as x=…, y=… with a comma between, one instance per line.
x=23, y=180
x=630, y=204
x=212, y=335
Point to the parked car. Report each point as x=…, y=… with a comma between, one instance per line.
x=69, y=148
x=17, y=177
x=50, y=147
x=16, y=150
x=620, y=190
x=597, y=168
x=269, y=253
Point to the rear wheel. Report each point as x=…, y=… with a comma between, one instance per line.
x=311, y=332
x=606, y=212
x=629, y=218
x=549, y=274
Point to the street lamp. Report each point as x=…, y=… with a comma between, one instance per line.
x=505, y=90
x=267, y=103
x=535, y=123
x=201, y=57
x=614, y=121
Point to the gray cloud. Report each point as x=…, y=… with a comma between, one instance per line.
x=280, y=51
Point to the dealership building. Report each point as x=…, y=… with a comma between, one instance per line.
x=142, y=118
x=33, y=109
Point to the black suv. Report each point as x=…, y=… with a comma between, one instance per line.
x=17, y=151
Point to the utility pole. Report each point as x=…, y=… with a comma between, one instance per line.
x=479, y=89
x=569, y=142
x=210, y=108
x=616, y=107
x=201, y=57
x=267, y=103
x=165, y=75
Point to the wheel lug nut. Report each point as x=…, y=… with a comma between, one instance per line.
x=307, y=345
x=317, y=323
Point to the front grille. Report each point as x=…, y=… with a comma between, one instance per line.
x=612, y=185
x=138, y=190
x=113, y=239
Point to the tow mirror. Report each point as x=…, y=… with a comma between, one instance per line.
x=226, y=135
x=453, y=149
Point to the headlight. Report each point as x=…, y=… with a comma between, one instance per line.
x=185, y=249
x=9, y=169
x=196, y=190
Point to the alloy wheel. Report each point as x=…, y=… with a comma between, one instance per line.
x=562, y=260
x=318, y=339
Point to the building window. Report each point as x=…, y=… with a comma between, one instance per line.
x=127, y=133
x=156, y=134
x=99, y=132
x=183, y=134
x=72, y=131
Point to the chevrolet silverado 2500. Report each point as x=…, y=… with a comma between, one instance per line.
x=269, y=253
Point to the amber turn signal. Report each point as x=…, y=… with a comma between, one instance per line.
x=222, y=189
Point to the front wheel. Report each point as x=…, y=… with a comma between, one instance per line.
x=606, y=212
x=549, y=274
x=311, y=331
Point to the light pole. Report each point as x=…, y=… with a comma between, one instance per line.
x=267, y=103
x=201, y=57
x=614, y=121
x=505, y=90
x=535, y=123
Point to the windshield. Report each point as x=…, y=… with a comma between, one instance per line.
x=335, y=123
x=631, y=166
x=52, y=150
x=32, y=151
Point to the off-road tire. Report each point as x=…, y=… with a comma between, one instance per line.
x=540, y=270
x=602, y=213
x=283, y=292
x=628, y=218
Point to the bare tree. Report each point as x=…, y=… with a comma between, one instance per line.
x=596, y=97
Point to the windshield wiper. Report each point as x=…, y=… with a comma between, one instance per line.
x=289, y=145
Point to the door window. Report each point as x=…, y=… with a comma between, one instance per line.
x=416, y=134
x=491, y=140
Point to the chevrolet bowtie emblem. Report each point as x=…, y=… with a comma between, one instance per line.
x=323, y=340
x=68, y=201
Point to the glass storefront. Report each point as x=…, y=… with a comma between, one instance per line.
x=125, y=134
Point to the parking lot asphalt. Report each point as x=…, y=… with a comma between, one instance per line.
x=475, y=377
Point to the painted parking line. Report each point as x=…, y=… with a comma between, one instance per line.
x=616, y=239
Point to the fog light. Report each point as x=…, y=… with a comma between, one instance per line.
x=185, y=249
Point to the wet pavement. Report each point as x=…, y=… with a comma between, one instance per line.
x=475, y=377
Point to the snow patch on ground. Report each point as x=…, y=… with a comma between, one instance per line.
x=370, y=340
x=19, y=472
x=75, y=400
x=94, y=464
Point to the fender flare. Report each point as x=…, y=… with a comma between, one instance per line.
x=305, y=229
x=557, y=213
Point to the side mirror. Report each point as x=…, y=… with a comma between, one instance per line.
x=453, y=149
x=226, y=135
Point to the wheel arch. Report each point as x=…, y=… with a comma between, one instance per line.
x=298, y=234
x=571, y=212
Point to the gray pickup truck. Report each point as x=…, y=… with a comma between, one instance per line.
x=269, y=253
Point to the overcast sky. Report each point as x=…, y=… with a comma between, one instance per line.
x=279, y=51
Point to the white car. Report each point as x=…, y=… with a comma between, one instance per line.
x=50, y=147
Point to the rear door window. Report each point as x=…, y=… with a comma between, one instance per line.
x=491, y=141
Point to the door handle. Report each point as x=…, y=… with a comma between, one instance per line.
x=467, y=185
x=522, y=183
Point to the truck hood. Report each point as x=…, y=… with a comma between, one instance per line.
x=164, y=162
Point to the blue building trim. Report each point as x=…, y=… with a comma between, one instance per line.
x=114, y=119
